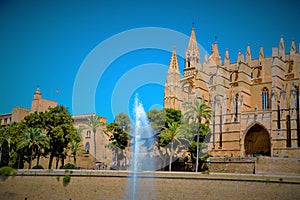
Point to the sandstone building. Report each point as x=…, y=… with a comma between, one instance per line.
x=85, y=159
x=104, y=154
x=255, y=101
x=38, y=104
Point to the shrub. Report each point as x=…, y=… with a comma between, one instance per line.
x=38, y=167
x=66, y=179
x=69, y=166
x=6, y=171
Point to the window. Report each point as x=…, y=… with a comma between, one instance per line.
x=288, y=131
x=87, y=147
x=265, y=99
x=88, y=134
x=211, y=80
x=278, y=117
x=236, y=107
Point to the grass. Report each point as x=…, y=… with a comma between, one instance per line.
x=6, y=171
x=66, y=180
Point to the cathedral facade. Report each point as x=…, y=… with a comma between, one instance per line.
x=255, y=102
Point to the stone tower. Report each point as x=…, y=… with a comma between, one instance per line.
x=172, y=84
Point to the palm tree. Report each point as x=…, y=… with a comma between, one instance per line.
x=45, y=143
x=34, y=139
x=75, y=148
x=94, y=124
x=172, y=134
x=199, y=112
x=4, y=136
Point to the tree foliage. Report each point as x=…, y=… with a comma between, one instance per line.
x=118, y=132
x=58, y=125
x=118, y=136
x=33, y=140
x=174, y=133
x=200, y=113
x=94, y=123
x=123, y=121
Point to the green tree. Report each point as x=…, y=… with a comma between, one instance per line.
x=162, y=118
x=58, y=124
x=204, y=130
x=157, y=119
x=200, y=113
x=95, y=124
x=118, y=140
x=33, y=139
x=173, y=134
x=123, y=121
x=4, y=137
x=75, y=147
x=172, y=116
x=16, y=157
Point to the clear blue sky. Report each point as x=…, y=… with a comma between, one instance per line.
x=45, y=43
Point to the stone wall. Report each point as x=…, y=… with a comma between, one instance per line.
x=257, y=165
x=41, y=185
x=232, y=165
x=268, y=165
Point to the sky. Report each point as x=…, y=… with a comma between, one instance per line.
x=95, y=56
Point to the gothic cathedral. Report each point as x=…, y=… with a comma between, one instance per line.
x=255, y=102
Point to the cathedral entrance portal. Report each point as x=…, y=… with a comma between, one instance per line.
x=257, y=141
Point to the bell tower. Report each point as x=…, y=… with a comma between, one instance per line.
x=172, y=84
x=192, y=55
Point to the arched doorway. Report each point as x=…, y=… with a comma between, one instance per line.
x=257, y=141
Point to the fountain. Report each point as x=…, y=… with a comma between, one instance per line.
x=142, y=163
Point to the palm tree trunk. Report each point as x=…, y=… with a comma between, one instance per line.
x=116, y=151
x=50, y=161
x=94, y=131
x=171, y=155
x=0, y=154
x=62, y=160
x=29, y=166
x=38, y=160
x=57, y=161
x=75, y=160
x=197, y=159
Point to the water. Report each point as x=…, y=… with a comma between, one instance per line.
x=141, y=162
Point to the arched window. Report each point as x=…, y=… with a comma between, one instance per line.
x=288, y=131
x=236, y=107
x=88, y=134
x=265, y=98
x=87, y=147
x=211, y=80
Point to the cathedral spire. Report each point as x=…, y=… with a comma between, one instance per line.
x=261, y=56
x=292, y=50
x=173, y=62
x=281, y=48
x=192, y=55
x=193, y=42
x=248, y=54
x=215, y=55
x=172, y=83
x=261, y=52
x=226, y=58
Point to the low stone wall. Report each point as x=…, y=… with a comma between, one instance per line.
x=42, y=185
x=257, y=165
x=271, y=165
x=232, y=165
